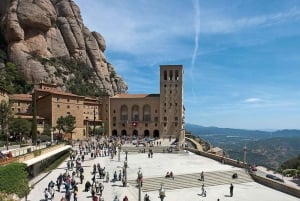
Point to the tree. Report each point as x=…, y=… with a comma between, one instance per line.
x=34, y=119
x=13, y=80
x=47, y=130
x=5, y=118
x=60, y=122
x=66, y=124
x=70, y=122
x=20, y=127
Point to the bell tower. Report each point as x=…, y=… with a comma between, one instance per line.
x=171, y=101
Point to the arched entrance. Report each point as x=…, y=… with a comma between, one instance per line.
x=123, y=132
x=146, y=133
x=156, y=133
x=114, y=133
x=135, y=133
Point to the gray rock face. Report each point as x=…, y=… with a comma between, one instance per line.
x=39, y=30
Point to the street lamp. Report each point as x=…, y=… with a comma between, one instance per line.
x=125, y=173
x=126, y=152
x=162, y=192
x=245, y=154
x=140, y=177
x=119, y=151
x=20, y=136
x=52, y=131
x=94, y=123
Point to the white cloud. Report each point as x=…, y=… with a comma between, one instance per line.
x=252, y=100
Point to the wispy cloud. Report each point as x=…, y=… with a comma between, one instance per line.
x=252, y=100
x=197, y=31
x=196, y=38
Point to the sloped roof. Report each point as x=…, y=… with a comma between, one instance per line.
x=23, y=97
x=135, y=95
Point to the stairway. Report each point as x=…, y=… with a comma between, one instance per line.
x=155, y=149
x=192, y=180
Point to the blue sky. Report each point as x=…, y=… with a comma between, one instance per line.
x=241, y=58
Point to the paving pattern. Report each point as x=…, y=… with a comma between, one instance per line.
x=193, y=180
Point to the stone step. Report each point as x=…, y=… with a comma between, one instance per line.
x=192, y=180
x=155, y=149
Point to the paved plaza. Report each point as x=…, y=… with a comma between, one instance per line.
x=186, y=185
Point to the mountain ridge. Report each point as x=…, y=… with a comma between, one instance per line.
x=269, y=149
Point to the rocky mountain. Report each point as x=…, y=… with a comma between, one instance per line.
x=48, y=41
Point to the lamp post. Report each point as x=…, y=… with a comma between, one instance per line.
x=20, y=136
x=140, y=177
x=94, y=123
x=125, y=173
x=245, y=154
x=52, y=131
x=126, y=152
x=162, y=192
x=119, y=151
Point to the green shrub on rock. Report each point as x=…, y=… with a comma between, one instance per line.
x=14, y=179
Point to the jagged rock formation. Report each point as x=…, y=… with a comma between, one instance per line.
x=36, y=31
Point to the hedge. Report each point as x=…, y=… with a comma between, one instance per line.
x=14, y=179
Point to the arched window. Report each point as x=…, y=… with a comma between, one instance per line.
x=135, y=113
x=165, y=75
x=146, y=113
x=176, y=75
x=124, y=113
x=170, y=75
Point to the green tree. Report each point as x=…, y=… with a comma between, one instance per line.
x=20, y=127
x=34, y=119
x=5, y=117
x=47, y=130
x=70, y=122
x=13, y=80
x=60, y=123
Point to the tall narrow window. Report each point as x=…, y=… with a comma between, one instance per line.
x=176, y=75
x=146, y=113
x=170, y=75
x=165, y=75
x=124, y=113
x=135, y=113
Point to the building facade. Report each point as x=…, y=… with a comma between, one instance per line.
x=140, y=115
x=150, y=115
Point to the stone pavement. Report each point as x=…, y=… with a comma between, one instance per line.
x=185, y=187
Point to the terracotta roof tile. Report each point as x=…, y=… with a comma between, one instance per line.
x=135, y=95
x=59, y=92
x=24, y=97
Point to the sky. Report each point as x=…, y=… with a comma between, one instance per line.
x=241, y=58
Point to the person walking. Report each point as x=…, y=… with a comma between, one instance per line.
x=231, y=190
x=203, y=191
x=46, y=194
x=202, y=176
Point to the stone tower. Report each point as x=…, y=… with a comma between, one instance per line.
x=171, y=101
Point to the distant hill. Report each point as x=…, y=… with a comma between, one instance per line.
x=265, y=148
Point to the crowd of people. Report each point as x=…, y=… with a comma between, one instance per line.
x=73, y=174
